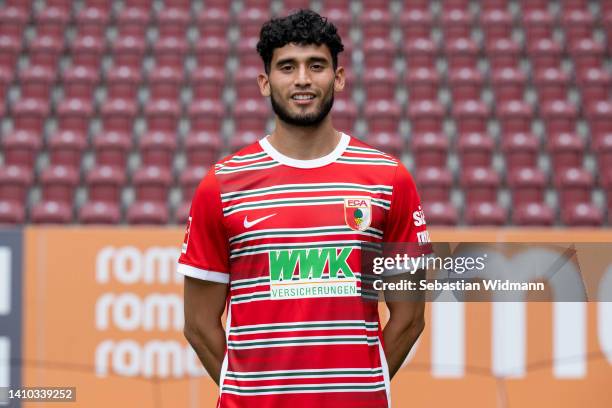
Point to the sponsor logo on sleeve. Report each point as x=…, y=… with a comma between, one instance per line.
x=419, y=217
x=186, y=239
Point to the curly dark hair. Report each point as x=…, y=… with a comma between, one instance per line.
x=302, y=27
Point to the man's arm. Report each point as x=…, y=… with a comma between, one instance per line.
x=204, y=305
x=406, y=322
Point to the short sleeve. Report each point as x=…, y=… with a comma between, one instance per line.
x=205, y=253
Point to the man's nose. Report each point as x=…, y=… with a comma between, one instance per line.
x=303, y=76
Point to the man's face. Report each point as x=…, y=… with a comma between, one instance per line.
x=301, y=83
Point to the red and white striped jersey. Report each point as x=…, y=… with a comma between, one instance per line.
x=286, y=235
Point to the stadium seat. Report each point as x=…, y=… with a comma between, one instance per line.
x=461, y=53
x=147, y=213
x=104, y=183
x=485, y=213
x=594, y=85
x=212, y=22
x=471, y=116
x=189, y=180
x=207, y=83
x=128, y=51
x=157, y=149
x=87, y=51
x=599, y=117
x=345, y=115
x=528, y=185
x=574, y=186
x=515, y=117
x=202, y=148
x=172, y=22
x=294, y=5
x=465, y=84
x=74, y=115
x=151, y=183
x=122, y=83
x=496, y=23
x=9, y=52
x=480, y=184
x=45, y=51
x=586, y=54
x=211, y=52
x=30, y=114
x=181, y=214
x=92, y=22
x=170, y=52
x=66, y=148
x=503, y=53
x=508, y=84
x=544, y=53
x=456, y=23
x=566, y=149
x=51, y=212
x=440, y=213
x=577, y=25
x=180, y=4
x=559, y=117
x=36, y=82
x=379, y=53
x=475, y=149
x=11, y=213
x=206, y=115
x=415, y=23
x=387, y=142
x=245, y=83
x=520, y=150
x=162, y=115
x=59, y=183
x=533, y=214
x=380, y=84
x=434, y=184
x=111, y=148
x=244, y=138
x=383, y=116
x=552, y=84
x=340, y=16
x=133, y=22
x=251, y=114
x=20, y=148
x=96, y=212
x=602, y=147
x=582, y=215
x=14, y=183
x=425, y=116
x=607, y=24
x=165, y=82
x=422, y=84
x=375, y=23
x=142, y=4
x=420, y=53
x=118, y=115
x=79, y=83
x=538, y=24
x=51, y=21
x=12, y=21
x=430, y=149
x=250, y=21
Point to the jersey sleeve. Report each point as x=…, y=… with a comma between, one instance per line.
x=205, y=249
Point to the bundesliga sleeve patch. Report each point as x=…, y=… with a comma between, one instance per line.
x=186, y=239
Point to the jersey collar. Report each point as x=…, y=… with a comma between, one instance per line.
x=306, y=164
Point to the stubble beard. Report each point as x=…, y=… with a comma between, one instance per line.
x=305, y=120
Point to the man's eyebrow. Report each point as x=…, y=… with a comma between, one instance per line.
x=290, y=60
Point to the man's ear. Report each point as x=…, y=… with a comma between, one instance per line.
x=264, y=84
x=340, y=79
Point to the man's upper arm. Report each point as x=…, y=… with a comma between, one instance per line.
x=204, y=302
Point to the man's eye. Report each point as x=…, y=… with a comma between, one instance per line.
x=286, y=68
x=317, y=67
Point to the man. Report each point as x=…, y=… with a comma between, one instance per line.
x=275, y=234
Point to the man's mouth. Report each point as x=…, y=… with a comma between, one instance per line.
x=302, y=98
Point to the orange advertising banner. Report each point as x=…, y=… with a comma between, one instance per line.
x=103, y=313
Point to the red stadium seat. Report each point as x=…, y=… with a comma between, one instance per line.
x=245, y=83
x=345, y=115
x=128, y=51
x=112, y=149
x=9, y=52
x=387, y=142
x=211, y=52
x=422, y=84
x=520, y=150
x=340, y=16
x=603, y=149
x=552, y=84
x=96, y=212
x=162, y=115
x=375, y=23
x=456, y=23
x=30, y=114
x=383, y=116
x=12, y=21
x=66, y=148
x=250, y=21
x=92, y=21
x=471, y=116
x=142, y=4
x=45, y=51
x=6, y=77
x=101, y=4
x=494, y=5
x=586, y=54
x=105, y=183
x=574, y=186
x=457, y=4
x=122, y=83
x=165, y=83
x=20, y=148
x=379, y=53
x=51, y=21
x=475, y=150
x=430, y=149
x=599, y=116
x=380, y=83
x=133, y=22
x=528, y=185
x=51, y=212
x=465, y=84
x=607, y=24
x=74, y=115
x=181, y=214
x=294, y=5
x=416, y=5
x=559, y=117
x=485, y=213
x=59, y=183
x=461, y=53
x=190, y=179
x=508, y=84
x=420, y=53
x=434, y=184
x=14, y=183
x=241, y=139
x=87, y=51
x=538, y=24
x=533, y=214
x=36, y=82
x=179, y=4
x=503, y=53
x=496, y=23
x=578, y=25
x=79, y=83
x=566, y=149
x=440, y=213
x=251, y=114
x=582, y=215
x=480, y=184
x=172, y=22
x=170, y=52
x=207, y=83
x=426, y=116
x=572, y=5
x=545, y=53
x=594, y=85
x=118, y=115
x=152, y=183
x=157, y=149
x=202, y=149
x=213, y=22
x=11, y=213
x=416, y=23
x=206, y=115
x=146, y=212
x=515, y=116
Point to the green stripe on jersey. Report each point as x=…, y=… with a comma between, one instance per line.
x=293, y=188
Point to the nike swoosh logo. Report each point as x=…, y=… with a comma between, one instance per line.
x=249, y=224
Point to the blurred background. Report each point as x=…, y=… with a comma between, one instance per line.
x=111, y=112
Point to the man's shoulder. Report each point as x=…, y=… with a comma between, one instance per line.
x=359, y=147
x=246, y=154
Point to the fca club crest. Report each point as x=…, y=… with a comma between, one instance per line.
x=358, y=213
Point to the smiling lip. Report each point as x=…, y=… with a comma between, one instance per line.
x=303, y=101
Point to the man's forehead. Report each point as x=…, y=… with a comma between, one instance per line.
x=301, y=52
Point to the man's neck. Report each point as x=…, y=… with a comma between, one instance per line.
x=304, y=143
